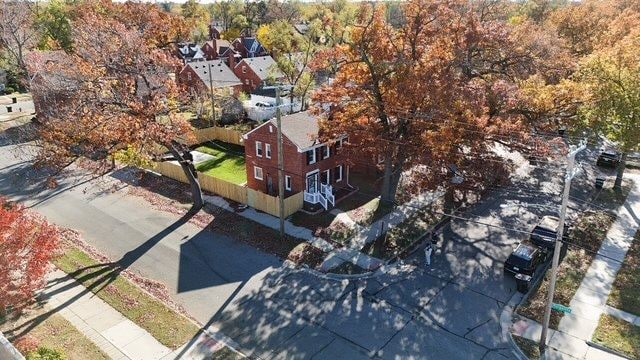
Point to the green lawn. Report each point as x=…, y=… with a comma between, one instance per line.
x=228, y=163
x=168, y=327
x=51, y=332
x=625, y=294
x=618, y=335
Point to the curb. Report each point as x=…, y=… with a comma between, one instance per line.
x=606, y=349
x=506, y=319
x=339, y=277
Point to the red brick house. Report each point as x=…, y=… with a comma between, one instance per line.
x=215, y=30
x=317, y=169
x=253, y=72
x=207, y=74
x=216, y=49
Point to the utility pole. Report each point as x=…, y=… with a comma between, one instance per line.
x=213, y=107
x=558, y=245
x=280, y=163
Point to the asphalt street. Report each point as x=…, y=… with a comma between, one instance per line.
x=449, y=310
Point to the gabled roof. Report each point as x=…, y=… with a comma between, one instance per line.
x=190, y=51
x=262, y=66
x=221, y=75
x=251, y=44
x=300, y=128
x=218, y=44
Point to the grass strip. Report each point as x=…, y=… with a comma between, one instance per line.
x=618, y=335
x=625, y=294
x=164, y=324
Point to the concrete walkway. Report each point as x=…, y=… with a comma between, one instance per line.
x=114, y=334
x=589, y=302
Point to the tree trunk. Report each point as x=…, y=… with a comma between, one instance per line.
x=191, y=174
x=449, y=199
x=390, y=181
x=621, y=167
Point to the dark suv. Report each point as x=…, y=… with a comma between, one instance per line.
x=524, y=259
x=609, y=158
x=545, y=233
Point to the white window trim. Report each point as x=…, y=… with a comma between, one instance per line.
x=326, y=152
x=287, y=182
x=244, y=69
x=328, y=172
x=255, y=173
x=267, y=151
x=313, y=151
x=259, y=148
x=339, y=173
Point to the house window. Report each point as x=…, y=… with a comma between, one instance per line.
x=311, y=157
x=244, y=69
x=326, y=153
x=246, y=81
x=257, y=173
x=287, y=182
x=258, y=149
x=338, y=173
x=339, y=144
x=326, y=177
x=189, y=76
x=267, y=150
x=251, y=82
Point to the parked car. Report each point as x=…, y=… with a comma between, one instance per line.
x=608, y=158
x=263, y=104
x=524, y=259
x=545, y=233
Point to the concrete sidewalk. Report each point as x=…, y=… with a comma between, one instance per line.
x=114, y=334
x=589, y=302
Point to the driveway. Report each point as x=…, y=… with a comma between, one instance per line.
x=447, y=311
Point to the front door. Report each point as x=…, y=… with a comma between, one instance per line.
x=313, y=184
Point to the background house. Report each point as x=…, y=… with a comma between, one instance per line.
x=248, y=47
x=215, y=30
x=253, y=72
x=189, y=52
x=209, y=74
x=217, y=48
x=317, y=169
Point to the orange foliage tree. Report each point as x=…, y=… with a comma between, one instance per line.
x=439, y=90
x=27, y=243
x=114, y=95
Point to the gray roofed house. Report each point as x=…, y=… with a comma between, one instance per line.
x=262, y=66
x=301, y=128
x=212, y=73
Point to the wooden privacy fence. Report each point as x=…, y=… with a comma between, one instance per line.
x=235, y=192
x=216, y=133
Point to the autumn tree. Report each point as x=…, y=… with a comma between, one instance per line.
x=293, y=53
x=54, y=20
x=612, y=78
x=27, y=243
x=438, y=91
x=114, y=92
x=18, y=33
x=198, y=18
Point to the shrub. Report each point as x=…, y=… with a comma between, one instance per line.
x=45, y=354
x=9, y=90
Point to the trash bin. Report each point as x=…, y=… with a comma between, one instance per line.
x=9, y=109
x=599, y=182
x=561, y=131
x=522, y=282
x=14, y=100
